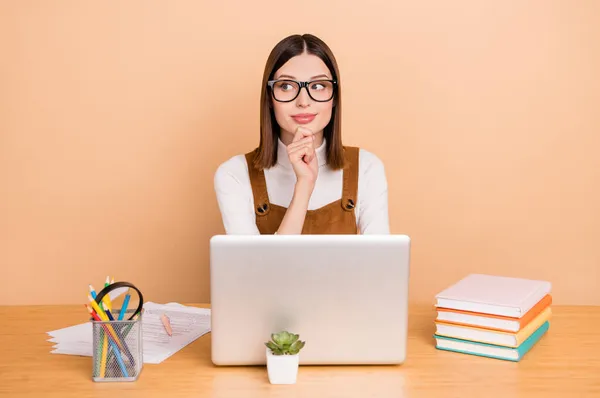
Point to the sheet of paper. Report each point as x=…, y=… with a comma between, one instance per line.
x=84, y=329
x=187, y=323
x=78, y=349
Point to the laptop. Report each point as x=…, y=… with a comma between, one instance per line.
x=345, y=295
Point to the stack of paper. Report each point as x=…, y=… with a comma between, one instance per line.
x=493, y=316
x=187, y=323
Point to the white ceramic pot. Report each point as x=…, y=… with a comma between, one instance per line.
x=282, y=369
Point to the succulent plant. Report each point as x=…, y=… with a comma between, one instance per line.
x=285, y=343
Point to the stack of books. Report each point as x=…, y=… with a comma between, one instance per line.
x=493, y=316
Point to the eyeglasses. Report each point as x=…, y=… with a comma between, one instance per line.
x=288, y=90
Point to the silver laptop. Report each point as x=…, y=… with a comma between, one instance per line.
x=345, y=295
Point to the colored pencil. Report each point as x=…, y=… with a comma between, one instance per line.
x=113, y=344
x=124, y=306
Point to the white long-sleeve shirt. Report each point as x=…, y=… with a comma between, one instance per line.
x=236, y=201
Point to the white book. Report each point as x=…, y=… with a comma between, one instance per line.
x=496, y=295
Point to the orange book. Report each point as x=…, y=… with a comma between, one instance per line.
x=492, y=322
x=502, y=338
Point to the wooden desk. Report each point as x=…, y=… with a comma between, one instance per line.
x=565, y=363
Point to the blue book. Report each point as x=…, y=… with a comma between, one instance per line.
x=491, y=350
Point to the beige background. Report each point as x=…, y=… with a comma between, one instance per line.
x=114, y=117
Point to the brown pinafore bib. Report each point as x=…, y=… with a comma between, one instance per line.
x=334, y=218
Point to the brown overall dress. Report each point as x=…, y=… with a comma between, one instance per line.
x=334, y=218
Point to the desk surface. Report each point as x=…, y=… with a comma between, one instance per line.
x=565, y=363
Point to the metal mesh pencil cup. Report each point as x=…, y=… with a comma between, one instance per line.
x=117, y=350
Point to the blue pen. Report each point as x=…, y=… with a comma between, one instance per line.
x=124, y=307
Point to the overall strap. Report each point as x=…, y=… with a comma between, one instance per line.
x=259, y=186
x=350, y=178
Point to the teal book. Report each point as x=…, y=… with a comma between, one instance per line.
x=490, y=350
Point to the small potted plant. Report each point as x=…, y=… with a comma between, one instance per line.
x=283, y=357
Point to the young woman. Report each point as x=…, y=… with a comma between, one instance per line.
x=301, y=179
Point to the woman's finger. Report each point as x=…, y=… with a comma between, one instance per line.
x=303, y=141
x=302, y=132
x=309, y=145
x=300, y=144
x=301, y=152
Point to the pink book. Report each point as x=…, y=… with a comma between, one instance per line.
x=495, y=295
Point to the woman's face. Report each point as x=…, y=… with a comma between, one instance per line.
x=303, y=110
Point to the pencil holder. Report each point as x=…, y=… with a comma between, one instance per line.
x=117, y=350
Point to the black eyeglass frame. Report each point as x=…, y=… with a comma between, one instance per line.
x=270, y=83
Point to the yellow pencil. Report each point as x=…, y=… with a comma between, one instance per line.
x=107, y=329
x=98, y=310
x=103, y=317
x=106, y=298
x=108, y=304
x=104, y=351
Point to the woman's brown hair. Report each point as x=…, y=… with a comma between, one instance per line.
x=287, y=48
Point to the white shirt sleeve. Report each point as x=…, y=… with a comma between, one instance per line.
x=234, y=196
x=373, y=217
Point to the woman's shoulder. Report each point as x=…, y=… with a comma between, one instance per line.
x=234, y=163
x=372, y=179
x=369, y=162
x=235, y=168
x=368, y=156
